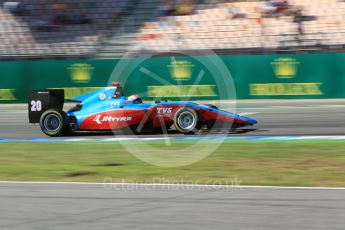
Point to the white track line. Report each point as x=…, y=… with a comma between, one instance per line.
x=170, y=185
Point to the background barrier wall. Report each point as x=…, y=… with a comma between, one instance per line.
x=300, y=76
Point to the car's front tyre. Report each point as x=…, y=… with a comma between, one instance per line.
x=54, y=123
x=187, y=121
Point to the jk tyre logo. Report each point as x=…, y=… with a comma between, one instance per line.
x=99, y=119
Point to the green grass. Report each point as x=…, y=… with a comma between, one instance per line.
x=293, y=163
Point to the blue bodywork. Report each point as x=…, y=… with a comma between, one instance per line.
x=103, y=100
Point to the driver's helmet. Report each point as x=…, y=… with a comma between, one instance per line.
x=135, y=98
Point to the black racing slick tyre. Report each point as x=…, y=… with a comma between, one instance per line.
x=187, y=121
x=54, y=123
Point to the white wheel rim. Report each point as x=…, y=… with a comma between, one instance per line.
x=52, y=122
x=186, y=120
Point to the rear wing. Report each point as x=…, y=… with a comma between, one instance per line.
x=43, y=100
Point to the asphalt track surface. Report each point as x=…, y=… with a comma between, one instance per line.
x=62, y=206
x=287, y=120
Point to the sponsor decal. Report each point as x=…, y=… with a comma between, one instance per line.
x=7, y=95
x=181, y=91
x=81, y=72
x=286, y=89
x=102, y=96
x=181, y=70
x=115, y=104
x=285, y=67
x=99, y=119
x=164, y=110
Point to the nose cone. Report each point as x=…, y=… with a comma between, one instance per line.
x=252, y=121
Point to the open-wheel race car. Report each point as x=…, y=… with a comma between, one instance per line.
x=107, y=109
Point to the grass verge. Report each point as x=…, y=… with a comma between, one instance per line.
x=290, y=163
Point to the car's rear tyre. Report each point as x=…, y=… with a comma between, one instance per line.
x=187, y=121
x=54, y=123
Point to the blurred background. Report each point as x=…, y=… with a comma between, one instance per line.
x=45, y=29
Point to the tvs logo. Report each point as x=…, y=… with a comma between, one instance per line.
x=99, y=119
x=115, y=104
x=164, y=110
